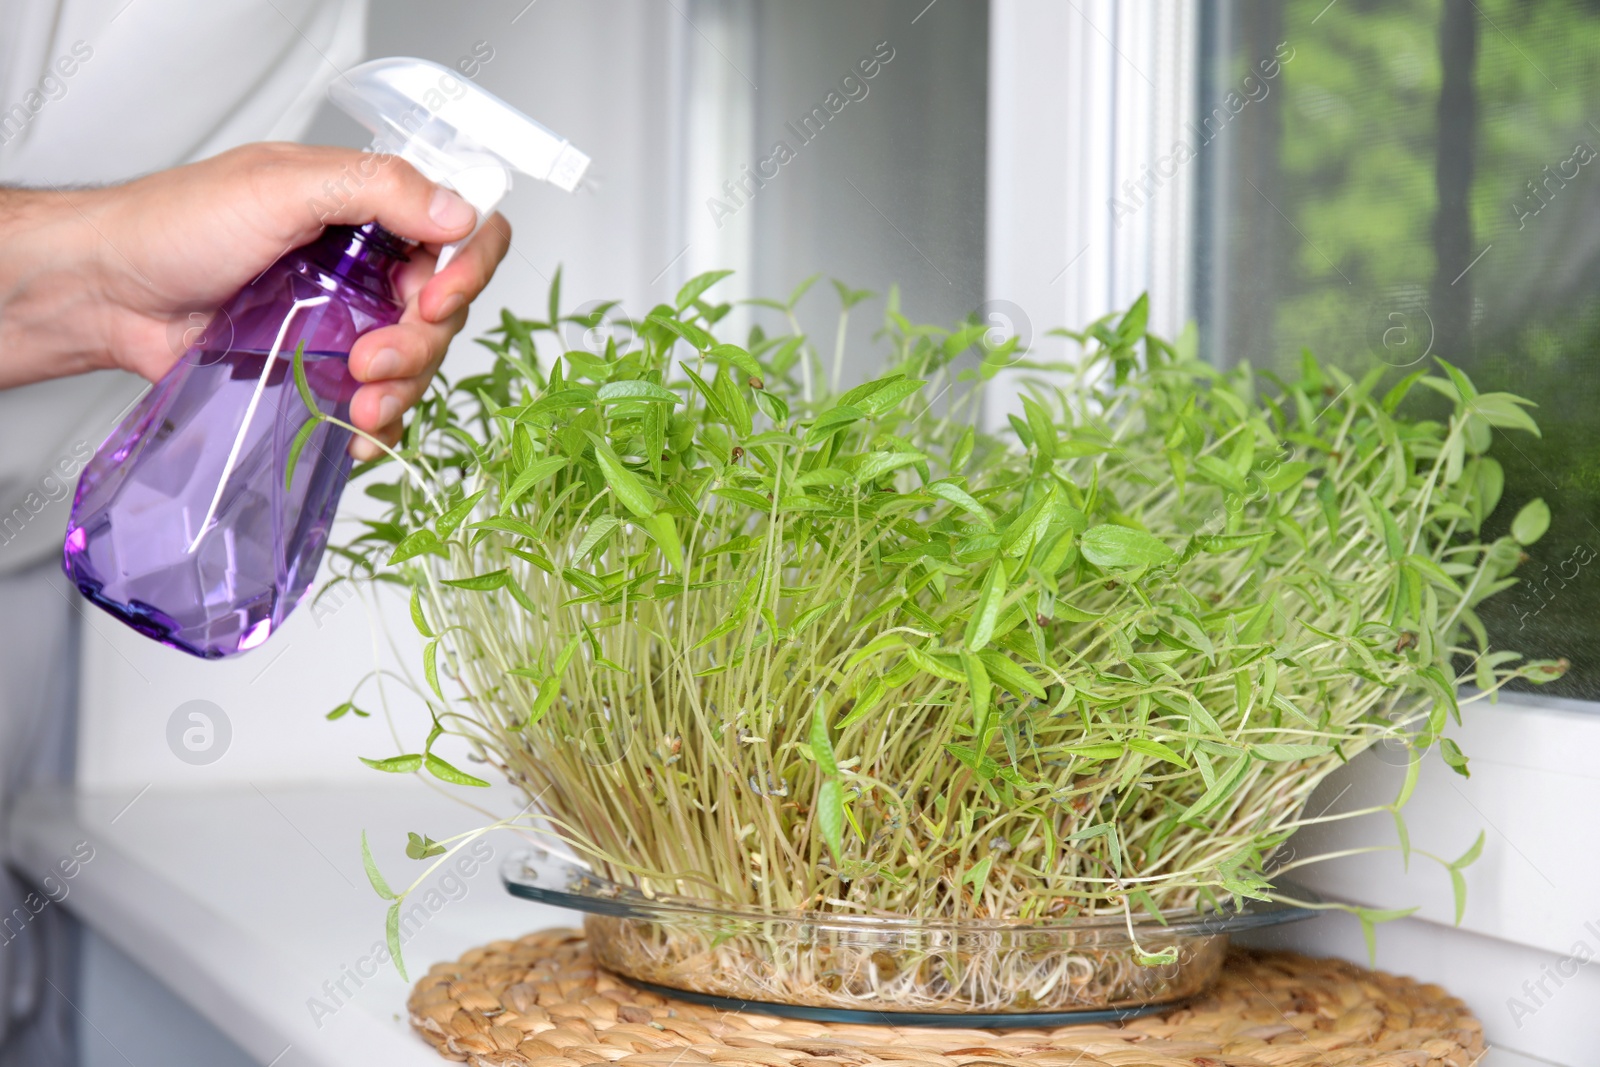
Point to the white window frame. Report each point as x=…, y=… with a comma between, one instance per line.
x=1086, y=208
x=1083, y=95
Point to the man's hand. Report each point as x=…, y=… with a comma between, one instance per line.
x=96, y=278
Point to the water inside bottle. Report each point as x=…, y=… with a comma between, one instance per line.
x=189, y=507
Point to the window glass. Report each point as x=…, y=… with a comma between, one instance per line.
x=1418, y=179
x=860, y=155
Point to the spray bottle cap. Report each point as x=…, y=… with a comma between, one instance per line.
x=455, y=133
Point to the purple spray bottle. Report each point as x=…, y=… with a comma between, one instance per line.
x=182, y=525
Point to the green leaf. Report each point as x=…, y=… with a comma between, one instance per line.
x=664, y=531
x=830, y=815
x=1288, y=475
x=1166, y=956
x=1284, y=753
x=421, y=847
x=1370, y=918
x=713, y=400
x=866, y=700
x=1503, y=410
x=958, y=496
x=532, y=475
x=380, y=886
x=1458, y=891
x=831, y=422
x=394, y=764
x=1391, y=399
x=1464, y=389
x=300, y=438
x=978, y=876
x=880, y=644
x=978, y=688
x=962, y=450
x=890, y=396
x=1041, y=426
x=983, y=766
x=947, y=667
x=414, y=544
x=598, y=531
x=1458, y=882
x=564, y=658
x=1491, y=483
x=1123, y=547
x=1470, y=856
x=1393, y=542
x=430, y=667
x=1025, y=530
x=821, y=745
x=1453, y=757
x=557, y=400
x=447, y=523
x=446, y=773
x=480, y=583
x=1011, y=676
x=1409, y=785
x=773, y=406
x=1531, y=522
x=737, y=357
x=876, y=464
x=810, y=616
x=986, y=612
x=627, y=486
x=688, y=331
x=1220, y=791
x=392, y=935
x=307, y=397
x=417, y=618
x=549, y=689
x=848, y=297
x=1132, y=326
x=1220, y=472
x=800, y=291
x=1105, y=750
x=634, y=390
x=694, y=287
x=1229, y=542
x=1156, y=750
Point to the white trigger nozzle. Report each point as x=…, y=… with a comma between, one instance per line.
x=454, y=133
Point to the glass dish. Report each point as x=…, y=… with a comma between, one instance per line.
x=859, y=968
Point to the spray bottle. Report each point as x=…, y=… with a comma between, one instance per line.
x=183, y=525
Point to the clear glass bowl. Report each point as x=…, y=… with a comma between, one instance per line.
x=858, y=968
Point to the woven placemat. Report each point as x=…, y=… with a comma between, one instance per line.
x=542, y=1002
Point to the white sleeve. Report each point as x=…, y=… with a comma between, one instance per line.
x=152, y=84
x=110, y=89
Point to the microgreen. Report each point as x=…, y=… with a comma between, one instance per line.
x=737, y=630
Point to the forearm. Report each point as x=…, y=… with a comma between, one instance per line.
x=51, y=285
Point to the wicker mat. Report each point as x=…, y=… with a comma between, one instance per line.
x=541, y=1001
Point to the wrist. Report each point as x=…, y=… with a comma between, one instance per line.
x=51, y=271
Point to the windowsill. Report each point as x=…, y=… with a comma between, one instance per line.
x=1534, y=776
x=250, y=905
x=1530, y=908
x=246, y=902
